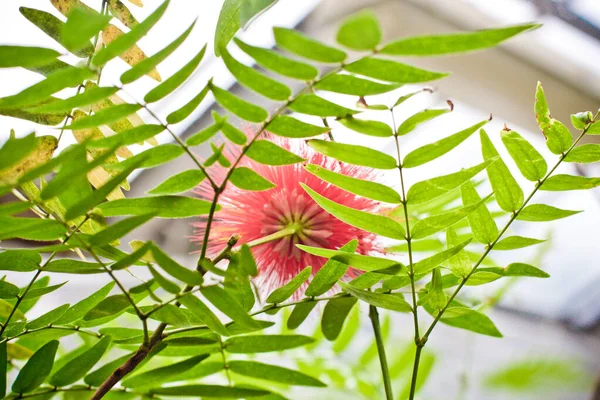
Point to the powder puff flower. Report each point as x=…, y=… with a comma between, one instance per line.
x=254, y=215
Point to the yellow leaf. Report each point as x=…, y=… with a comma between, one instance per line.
x=133, y=55
x=137, y=3
x=18, y=352
x=65, y=6
x=45, y=146
x=122, y=13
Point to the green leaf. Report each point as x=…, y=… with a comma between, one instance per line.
x=582, y=119
x=203, y=135
x=246, y=179
x=286, y=291
x=48, y=318
x=155, y=377
x=454, y=43
x=545, y=374
x=482, y=223
x=530, y=162
x=3, y=367
x=368, y=189
x=507, y=191
x=162, y=206
x=233, y=16
x=290, y=127
x=358, y=261
x=594, y=129
x=255, y=80
x=210, y=391
x=516, y=242
x=274, y=61
x=460, y=264
x=352, y=85
x=19, y=56
x=243, y=109
x=388, y=301
x=182, y=113
x=558, y=137
x=335, y=313
x=543, y=212
x=569, y=182
x=228, y=306
x=265, y=343
x=473, y=321
x=105, y=116
x=76, y=369
x=437, y=149
x=273, y=373
x=91, y=96
x=300, y=44
x=200, y=310
x=30, y=228
x=435, y=223
x=6, y=309
x=38, y=92
x=118, y=229
x=80, y=309
x=37, y=368
x=126, y=138
x=14, y=150
x=377, y=224
x=354, y=154
x=163, y=282
x=176, y=270
x=520, y=269
x=311, y=104
x=412, y=122
x=181, y=182
x=542, y=113
x=8, y=290
x=392, y=71
x=145, y=66
x=122, y=43
x=437, y=298
x=330, y=272
x=82, y=24
x=39, y=292
x=268, y=153
x=69, y=266
x=141, y=252
x=424, y=191
x=247, y=261
x=427, y=264
x=231, y=132
x=366, y=127
x=300, y=313
x=360, y=31
x=98, y=376
x=587, y=153
x=87, y=203
x=175, y=80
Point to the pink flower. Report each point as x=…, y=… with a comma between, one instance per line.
x=253, y=215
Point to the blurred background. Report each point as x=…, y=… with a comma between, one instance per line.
x=550, y=326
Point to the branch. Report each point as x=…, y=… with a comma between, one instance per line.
x=508, y=224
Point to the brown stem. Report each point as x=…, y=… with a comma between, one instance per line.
x=130, y=365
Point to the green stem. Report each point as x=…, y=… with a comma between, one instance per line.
x=387, y=383
x=274, y=236
x=411, y=274
x=415, y=372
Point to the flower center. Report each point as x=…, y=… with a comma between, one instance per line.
x=293, y=218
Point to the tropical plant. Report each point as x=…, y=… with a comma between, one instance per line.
x=182, y=323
